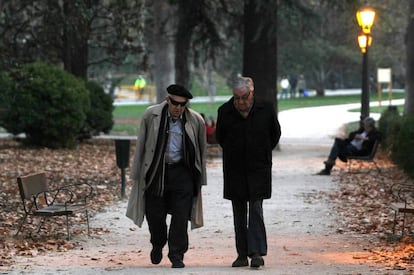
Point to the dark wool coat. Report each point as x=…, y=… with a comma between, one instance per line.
x=247, y=149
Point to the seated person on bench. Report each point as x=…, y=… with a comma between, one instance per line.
x=359, y=143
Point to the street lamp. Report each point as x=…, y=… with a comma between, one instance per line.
x=365, y=17
x=364, y=41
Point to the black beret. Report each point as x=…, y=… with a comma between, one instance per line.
x=179, y=90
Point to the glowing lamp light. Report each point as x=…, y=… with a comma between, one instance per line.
x=364, y=41
x=366, y=17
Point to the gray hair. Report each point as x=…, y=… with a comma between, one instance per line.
x=241, y=82
x=370, y=121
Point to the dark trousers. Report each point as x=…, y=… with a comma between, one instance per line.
x=341, y=148
x=177, y=201
x=249, y=228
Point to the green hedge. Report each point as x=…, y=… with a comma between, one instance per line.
x=398, y=138
x=389, y=125
x=99, y=118
x=45, y=103
x=404, y=145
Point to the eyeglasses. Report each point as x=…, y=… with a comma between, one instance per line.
x=176, y=103
x=242, y=98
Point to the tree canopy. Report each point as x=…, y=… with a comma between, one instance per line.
x=79, y=34
x=93, y=39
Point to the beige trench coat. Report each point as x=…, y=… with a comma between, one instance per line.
x=144, y=154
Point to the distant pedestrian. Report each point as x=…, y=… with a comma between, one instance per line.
x=168, y=171
x=284, y=84
x=247, y=130
x=293, y=82
x=301, y=85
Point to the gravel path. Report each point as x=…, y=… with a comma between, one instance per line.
x=301, y=230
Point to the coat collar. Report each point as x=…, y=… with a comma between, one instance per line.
x=257, y=105
x=158, y=109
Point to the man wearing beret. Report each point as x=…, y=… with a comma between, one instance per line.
x=168, y=171
x=247, y=129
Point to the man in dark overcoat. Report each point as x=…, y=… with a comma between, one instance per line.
x=247, y=130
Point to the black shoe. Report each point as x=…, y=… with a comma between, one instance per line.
x=324, y=172
x=257, y=261
x=156, y=255
x=177, y=264
x=240, y=261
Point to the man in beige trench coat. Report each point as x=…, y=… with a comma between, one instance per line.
x=168, y=171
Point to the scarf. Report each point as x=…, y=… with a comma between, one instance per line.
x=155, y=175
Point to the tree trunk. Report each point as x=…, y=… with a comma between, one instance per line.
x=187, y=20
x=75, y=37
x=409, y=40
x=260, y=47
x=182, y=49
x=163, y=45
x=320, y=77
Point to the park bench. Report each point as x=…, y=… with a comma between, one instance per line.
x=40, y=201
x=369, y=158
x=404, y=204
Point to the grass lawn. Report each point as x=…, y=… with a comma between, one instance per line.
x=127, y=117
x=379, y=109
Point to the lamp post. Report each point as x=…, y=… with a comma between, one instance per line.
x=365, y=17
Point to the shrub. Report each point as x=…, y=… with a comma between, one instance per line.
x=389, y=125
x=5, y=85
x=47, y=104
x=99, y=117
x=404, y=148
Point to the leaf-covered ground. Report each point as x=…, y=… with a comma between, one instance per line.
x=361, y=202
x=93, y=162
